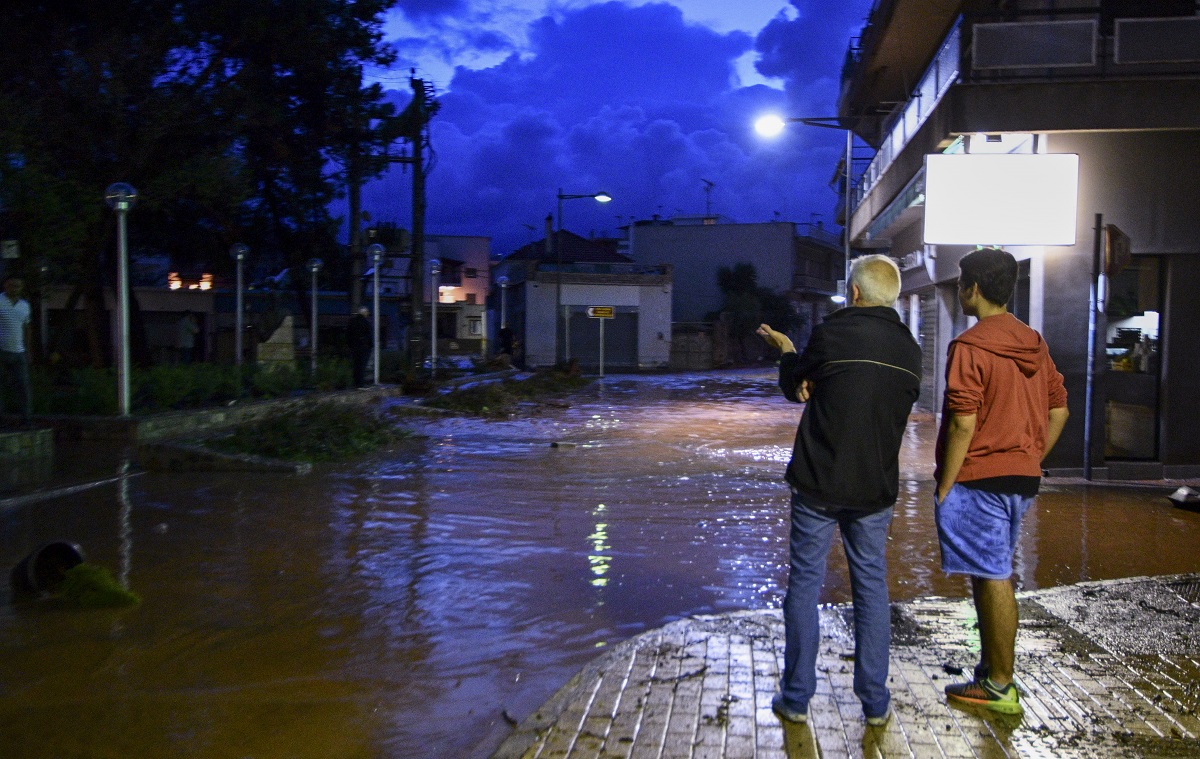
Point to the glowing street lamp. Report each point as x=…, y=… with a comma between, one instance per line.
x=375, y=251
x=435, y=268
x=772, y=125
x=238, y=252
x=121, y=197
x=314, y=265
x=599, y=197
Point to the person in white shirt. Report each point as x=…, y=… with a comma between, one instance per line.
x=14, y=336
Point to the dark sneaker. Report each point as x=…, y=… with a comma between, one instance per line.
x=982, y=671
x=881, y=720
x=784, y=713
x=987, y=694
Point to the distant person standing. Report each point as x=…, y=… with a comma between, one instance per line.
x=14, y=336
x=185, y=337
x=508, y=341
x=860, y=375
x=1004, y=409
x=359, y=336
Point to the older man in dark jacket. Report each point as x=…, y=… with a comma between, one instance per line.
x=860, y=375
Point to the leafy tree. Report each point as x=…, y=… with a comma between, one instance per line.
x=748, y=305
x=235, y=119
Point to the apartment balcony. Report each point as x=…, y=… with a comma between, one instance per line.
x=1037, y=71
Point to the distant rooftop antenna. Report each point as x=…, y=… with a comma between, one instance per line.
x=708, y=187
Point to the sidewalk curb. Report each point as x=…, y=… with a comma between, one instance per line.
x=1105, y=668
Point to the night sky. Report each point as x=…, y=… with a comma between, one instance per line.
x=641, y=100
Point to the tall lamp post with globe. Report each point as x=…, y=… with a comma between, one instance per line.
x=435, y=269
x=238, y=252
x=121, y=197
x=375, y=251
x=314, y=265
x=502, y=281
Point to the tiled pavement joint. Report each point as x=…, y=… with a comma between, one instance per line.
x=1105, y=669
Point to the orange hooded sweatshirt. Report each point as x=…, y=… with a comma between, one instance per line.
x=1000, y=370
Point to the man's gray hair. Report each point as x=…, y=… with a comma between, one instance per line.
x=878, y=280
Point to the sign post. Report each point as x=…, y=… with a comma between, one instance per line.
x=602, y=313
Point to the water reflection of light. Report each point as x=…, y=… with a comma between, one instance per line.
x=599, y=561
x=125, y=534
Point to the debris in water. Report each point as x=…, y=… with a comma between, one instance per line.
x=93, y=587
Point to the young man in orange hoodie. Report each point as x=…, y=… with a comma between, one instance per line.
x=1004, y=408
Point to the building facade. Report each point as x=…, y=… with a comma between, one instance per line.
x=801, y=261
x=463, y=281
x=1118, y=85
x=551, y=296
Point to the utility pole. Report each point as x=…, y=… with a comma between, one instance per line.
x=354, y=180
x=414, y=128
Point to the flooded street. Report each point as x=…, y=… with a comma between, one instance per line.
x=416, y=603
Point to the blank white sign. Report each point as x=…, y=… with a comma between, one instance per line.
x=988, y=199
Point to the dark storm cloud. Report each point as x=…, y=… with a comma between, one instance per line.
x=807, y=51
x=634, y=101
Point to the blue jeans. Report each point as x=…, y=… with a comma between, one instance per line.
x=864, y=537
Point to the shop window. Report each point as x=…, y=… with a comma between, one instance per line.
x=1132, y=352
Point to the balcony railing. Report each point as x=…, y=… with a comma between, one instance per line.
x=934, y=83
x=1080, y=43
x=1039, y=44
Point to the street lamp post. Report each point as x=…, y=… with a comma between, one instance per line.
x=43, y=310
x=435, y=268
x=122, y=197
x=239, y=251
x=599, y=197
x=375, y=251
x=314, y=266
x=771, y=126
x=503, y=282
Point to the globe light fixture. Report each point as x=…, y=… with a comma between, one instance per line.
x=770, y=125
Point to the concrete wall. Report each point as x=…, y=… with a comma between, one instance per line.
x=697, y=251
x=539, y=323
x=651, y=301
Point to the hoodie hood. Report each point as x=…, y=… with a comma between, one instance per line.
x=1006, y=336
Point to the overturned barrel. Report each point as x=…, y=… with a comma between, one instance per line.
x=43, y=570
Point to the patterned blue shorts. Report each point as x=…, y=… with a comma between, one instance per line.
x=978, y=531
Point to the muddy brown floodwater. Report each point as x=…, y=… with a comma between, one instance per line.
x=414, y=604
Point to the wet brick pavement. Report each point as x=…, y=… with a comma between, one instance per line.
x=1105, y=669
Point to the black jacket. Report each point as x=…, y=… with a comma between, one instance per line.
x=866, y=369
